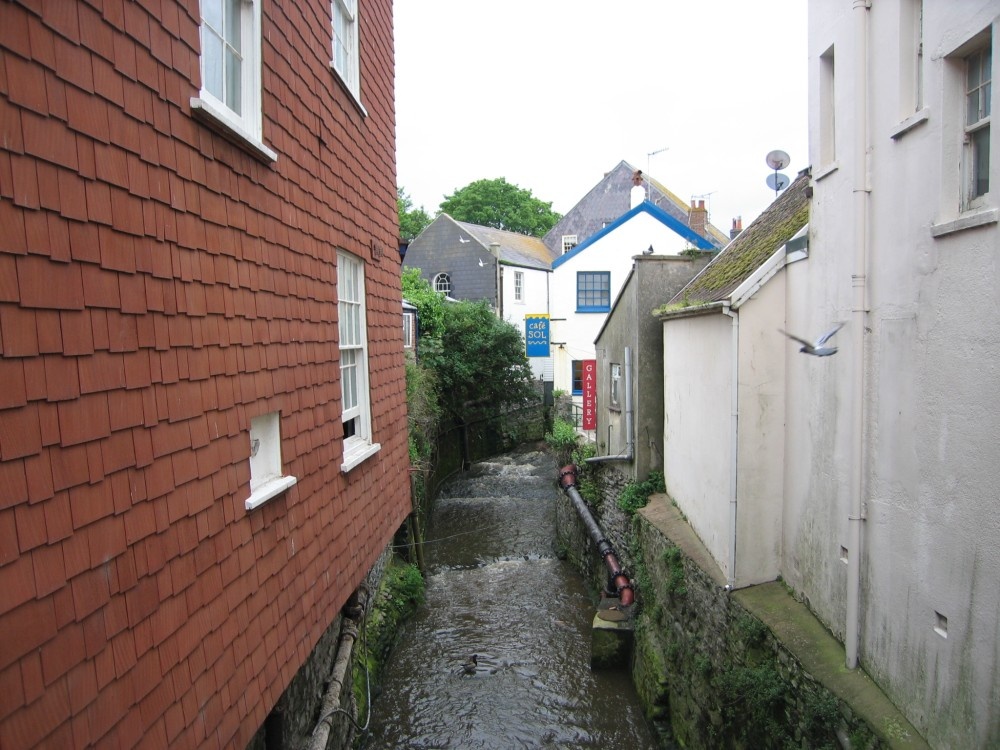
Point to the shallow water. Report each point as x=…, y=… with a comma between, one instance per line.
x=496, y=589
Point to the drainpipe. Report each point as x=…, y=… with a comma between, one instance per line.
x=629, y=428
x=353, y=615
x=734, y=418
x=859, y=309
x=617, y=580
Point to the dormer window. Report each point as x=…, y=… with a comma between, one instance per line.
x=568, y=242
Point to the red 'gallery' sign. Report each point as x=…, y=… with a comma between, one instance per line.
x=589, y=394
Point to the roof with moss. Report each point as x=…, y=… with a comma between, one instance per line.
x=515, y=249
x=745, y=254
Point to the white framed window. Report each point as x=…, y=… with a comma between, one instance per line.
x=827, y=108
x=442, y=283
x=519, y=286
x=230, y=60
x=616, y=379
x=355, y=394
x=345, y=60
x=266, y=478
x=409, y=329
x=568, y=242
x=911, y=54
x=976, y=157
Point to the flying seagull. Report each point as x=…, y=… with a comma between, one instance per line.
x=817, y=349
x=463, y=240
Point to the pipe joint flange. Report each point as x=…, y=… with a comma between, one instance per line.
x=569, y=472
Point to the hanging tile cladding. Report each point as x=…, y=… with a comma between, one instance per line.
x=159, y=287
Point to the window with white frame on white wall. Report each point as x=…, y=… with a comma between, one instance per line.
x=230, y=94
x=353, y=328
x=266, y=476
x=976, y=157
x=519, y=286
x=345, y=45
x=827, y=109
x=568, y=242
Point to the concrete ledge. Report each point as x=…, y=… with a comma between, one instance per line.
x=823, y=657
x=797, y=631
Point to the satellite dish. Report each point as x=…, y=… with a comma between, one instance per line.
x=777, y=181
x=778, y=160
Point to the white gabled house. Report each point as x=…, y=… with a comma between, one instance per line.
x=587, y=279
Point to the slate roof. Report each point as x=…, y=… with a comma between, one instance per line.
x=773, y=228
x=612, y=197
x=515, y=249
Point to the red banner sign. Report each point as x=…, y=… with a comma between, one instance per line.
x=589, y=394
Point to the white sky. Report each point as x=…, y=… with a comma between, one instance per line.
x=551, y=94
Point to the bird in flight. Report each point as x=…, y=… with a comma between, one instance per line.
x=817, y=348
x=463, y=240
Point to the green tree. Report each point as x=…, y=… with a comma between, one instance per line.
x=478, y=361
x=499, y=204
x=411, y=220
x=429, y=303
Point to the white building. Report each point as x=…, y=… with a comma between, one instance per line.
x=892, y=481
x=587, y=279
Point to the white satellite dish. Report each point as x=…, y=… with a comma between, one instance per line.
x=778, y=160
x=777, y=181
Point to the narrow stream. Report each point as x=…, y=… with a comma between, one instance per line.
x=496, y=589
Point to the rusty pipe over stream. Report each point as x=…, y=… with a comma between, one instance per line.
x=618, y=581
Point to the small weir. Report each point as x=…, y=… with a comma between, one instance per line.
x=497, y=589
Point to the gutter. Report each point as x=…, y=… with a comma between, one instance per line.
x=859, y=311
x=734, y=420
x=629, y=428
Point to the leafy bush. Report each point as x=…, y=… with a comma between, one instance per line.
x=479, y=361
x=636, y=494
x=562, y=440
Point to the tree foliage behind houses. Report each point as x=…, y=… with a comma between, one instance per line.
x=412, y=221
x=477, y=359
x=501, y=205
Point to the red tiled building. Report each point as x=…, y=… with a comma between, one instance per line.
x=202, y=398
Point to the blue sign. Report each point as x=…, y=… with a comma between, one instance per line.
x=536, y=335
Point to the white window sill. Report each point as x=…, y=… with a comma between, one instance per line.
x=969, y=220
x=356, y=451
x=269, y=489
x=355, y=95
x=826, y=171
x=917, y=118
x=222, y=120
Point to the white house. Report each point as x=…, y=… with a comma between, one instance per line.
x=724, y=365
x=588, y=278
x=892, y=481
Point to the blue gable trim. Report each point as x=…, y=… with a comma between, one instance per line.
x=653, y=210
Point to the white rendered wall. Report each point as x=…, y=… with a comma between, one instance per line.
x=930, y=600
x=613, y=252
x=697, y=426
x=535, y=302
x=761, y=436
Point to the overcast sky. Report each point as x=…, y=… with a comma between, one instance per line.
x=551, y=94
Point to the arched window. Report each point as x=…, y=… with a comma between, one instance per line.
x=442, y=283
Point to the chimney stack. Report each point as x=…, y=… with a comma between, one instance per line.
x=698, y=218
x=737, y=228
x=638, y=194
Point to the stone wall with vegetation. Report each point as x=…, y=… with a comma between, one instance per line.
x=710, y=673
x=713, y=675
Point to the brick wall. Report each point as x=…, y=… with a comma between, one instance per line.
x=159, y=288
